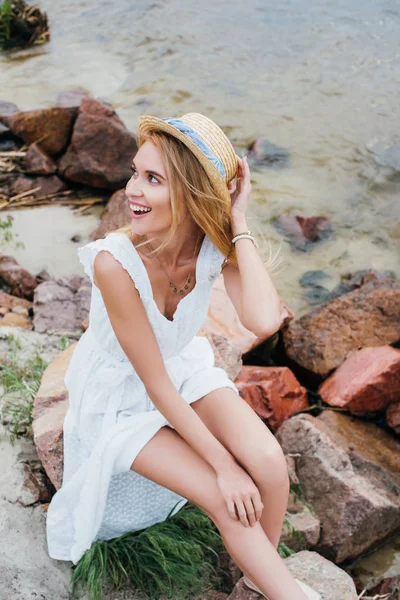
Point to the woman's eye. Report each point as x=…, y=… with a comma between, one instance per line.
x=149, y=175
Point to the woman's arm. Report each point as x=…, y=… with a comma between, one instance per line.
x=129, y=320
x=249, y=285
x=250, y=288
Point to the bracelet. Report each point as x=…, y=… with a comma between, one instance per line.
x=248, y=232
x=238, y=236
x=244, y=235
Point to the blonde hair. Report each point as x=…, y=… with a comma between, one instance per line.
x=191, y=188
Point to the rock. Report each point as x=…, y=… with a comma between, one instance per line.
x=320, y=341
x=36, y=484
x=314, y=291
x=385, y=169
x=331, y=582
x=4, y=129
x=71, y=98
x=227, y=355
x=367, y=381
x=49, y=410
x=47, y=185
x=273, y=392
x=222, y=319
x=13, y=320
x=301, y=231
x=20, y=310
x=7, y=109
x=8, y=142
x=101, y=148
x=115, y=215
x=15, y=280
x=393, y=416
x=10, y=302
x=61, y=305
x=301, y=529
x=348, y=471
x=263, y=154
x=388, y=588
x=36, y=161
x=50, y=128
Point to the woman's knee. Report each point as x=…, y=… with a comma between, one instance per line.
x=171, y=462
x=268, y=466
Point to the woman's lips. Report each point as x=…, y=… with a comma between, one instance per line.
x=134, y=216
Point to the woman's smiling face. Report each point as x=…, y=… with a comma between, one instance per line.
x=149, y=188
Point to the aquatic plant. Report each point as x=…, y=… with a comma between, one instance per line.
x=21, y=25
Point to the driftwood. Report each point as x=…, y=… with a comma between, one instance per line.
x=10, y=162
x=22, y=25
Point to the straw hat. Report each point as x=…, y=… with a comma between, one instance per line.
x=206, y=140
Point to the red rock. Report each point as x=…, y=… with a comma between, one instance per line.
x=38, y=162
x=49, y=410
x=273, y=392
x=101, y=149
x=13, y=320
x=321, y=340
x=116, y=214
x=18, y=280
x=393, y=416
x=307, y=228
x=9, y=301
x=50, y=127
x=36, y=483
x=349, y=474
x=47, y=185
x=367, y=381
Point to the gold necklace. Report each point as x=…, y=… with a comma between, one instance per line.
x=171, y=283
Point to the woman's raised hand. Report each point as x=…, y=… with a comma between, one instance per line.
x=241, y=494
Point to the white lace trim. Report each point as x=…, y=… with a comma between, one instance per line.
x=120, y=252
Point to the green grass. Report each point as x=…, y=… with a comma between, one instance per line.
x=20, y=385
x=177, y=558
x=5, y=21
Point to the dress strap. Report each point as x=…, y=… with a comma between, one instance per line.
x=126, y=256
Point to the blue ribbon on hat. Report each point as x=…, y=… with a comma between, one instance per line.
x=196, y=139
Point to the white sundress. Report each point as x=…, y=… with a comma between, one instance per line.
x=110, y=416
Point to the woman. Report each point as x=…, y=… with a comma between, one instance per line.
x=151, y=420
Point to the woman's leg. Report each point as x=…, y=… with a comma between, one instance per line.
x=235, y=424
x=168, y=460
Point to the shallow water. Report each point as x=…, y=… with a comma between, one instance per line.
x=319, y=78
